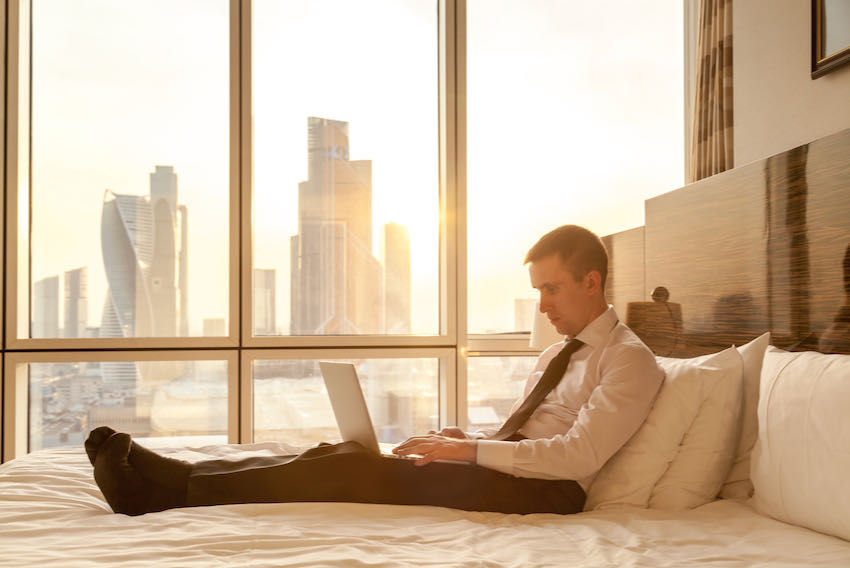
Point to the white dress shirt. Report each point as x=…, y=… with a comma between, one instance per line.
x=604, y=397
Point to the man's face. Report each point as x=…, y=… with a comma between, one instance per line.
x=567, y=303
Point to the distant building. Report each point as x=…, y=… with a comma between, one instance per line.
x=183, y=271
x=76, y=305
x=397, y=286
x=265, y=318
x=524, y=309
x=126, y=236
x=143, y=242
x=45, y=308
x=169, y=264
x=215, y=327
x=335, y=283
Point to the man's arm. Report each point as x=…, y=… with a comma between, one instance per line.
x=615, y=410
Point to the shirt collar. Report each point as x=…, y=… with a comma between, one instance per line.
x=596, y=332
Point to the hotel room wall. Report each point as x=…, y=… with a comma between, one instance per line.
x=760, y=247
x=691, y=240
x=777, y=104
x=625, y=268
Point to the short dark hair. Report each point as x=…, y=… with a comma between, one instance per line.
x=578, y=248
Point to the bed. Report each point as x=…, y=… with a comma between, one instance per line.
x=53, y=514
x=742, y=461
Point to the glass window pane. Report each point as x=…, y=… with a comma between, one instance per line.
x=575, y=115
x=129, y=131
x=158, y=402
x=291, y=404
x=494, y=384
x=346, y=197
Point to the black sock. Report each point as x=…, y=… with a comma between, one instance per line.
x=133, y=479
x=96, y=437
x=165, y=471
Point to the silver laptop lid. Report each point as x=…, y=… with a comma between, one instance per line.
x=349, y=406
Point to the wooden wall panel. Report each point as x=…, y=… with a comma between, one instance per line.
x=761, y=247
x=625, y=268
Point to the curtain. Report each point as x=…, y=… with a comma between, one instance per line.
x=711, y=147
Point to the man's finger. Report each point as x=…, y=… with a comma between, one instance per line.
x=409, y=446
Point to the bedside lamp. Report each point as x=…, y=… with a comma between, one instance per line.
x=658, y=323
x=543, y=333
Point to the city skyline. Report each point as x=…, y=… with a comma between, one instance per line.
x=551, y=137
x=337, y=284
x=144, y=247
x=577, y=158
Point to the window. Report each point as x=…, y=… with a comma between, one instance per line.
x=206, y=197
x=160, y=398
x=494, y=384
x=346, y=192
x=128, y=226
x=290, y=402
x=574, y=116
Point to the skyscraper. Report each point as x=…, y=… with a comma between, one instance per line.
x=265, y=320
x=336, y=283
x=126, y=240
x=396, y=243
x=126, y=235
x=76, y=302
x=45, y=307
x=215, y=327
x=168, y=268
x=183, y=271
x=143, y=242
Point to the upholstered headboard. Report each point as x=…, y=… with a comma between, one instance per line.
x=762, y=247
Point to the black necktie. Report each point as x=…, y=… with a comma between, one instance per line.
x=551, y=377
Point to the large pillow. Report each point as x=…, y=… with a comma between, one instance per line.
x=738, y=484
x=688, y=439
x=801, y=460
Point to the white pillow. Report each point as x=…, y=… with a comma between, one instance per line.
x=694, y=419
x=738, y=484
x=801, y=460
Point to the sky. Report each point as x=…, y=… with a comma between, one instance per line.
x=574, y=116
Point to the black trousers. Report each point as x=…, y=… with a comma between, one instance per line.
x=348, y=472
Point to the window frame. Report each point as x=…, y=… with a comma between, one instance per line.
x=446, y=379
x=239, y=343
x=448, y=52
x=18, y=175
x=16, y=387
x=240, y=347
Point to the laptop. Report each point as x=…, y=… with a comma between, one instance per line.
x=349, y=406
x=352, y=415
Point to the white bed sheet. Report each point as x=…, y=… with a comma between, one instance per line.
x=52, y=514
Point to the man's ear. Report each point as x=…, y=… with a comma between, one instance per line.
x=593, y=282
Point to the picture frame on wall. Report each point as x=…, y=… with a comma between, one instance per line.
x=830, y=35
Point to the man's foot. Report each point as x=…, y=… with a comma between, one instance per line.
x=96, y=437
x=133, y=479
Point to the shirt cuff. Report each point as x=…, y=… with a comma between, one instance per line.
x=480, y=434
x=496, y=455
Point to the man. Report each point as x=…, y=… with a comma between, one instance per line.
x=592, y=394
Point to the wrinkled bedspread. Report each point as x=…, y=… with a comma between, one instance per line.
x=52, y=514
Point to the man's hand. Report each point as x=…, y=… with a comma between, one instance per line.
x=450, y=432
x=438, y=447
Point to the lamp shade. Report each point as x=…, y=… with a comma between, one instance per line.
x=543, y=333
